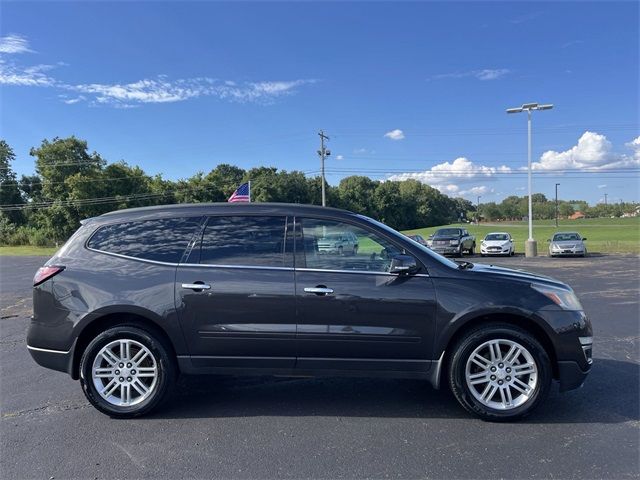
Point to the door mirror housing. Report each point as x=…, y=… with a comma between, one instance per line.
x=403, y=265
x=584, y=238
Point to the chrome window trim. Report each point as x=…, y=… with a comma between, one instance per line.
x=255, y=267
x=358, y=272
x=129, y=257
x=47, y=350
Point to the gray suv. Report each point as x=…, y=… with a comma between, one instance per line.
x=138, y=296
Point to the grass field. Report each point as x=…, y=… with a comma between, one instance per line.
x=604, y=235
x=26, y=250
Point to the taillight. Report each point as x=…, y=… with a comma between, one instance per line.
x=45, y=273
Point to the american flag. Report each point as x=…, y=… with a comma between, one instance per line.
x=242, y=193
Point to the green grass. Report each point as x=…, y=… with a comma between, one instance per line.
x=604, y=235
x=27, y=250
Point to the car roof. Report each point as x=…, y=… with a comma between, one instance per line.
x=195, y=209
x=497, y=233
x=566, y=233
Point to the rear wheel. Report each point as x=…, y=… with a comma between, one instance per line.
x=472, y=249
x=499, y=372
x=126, y=372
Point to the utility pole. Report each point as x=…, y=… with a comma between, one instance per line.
x=323, y=152
x=605, y=198
x=557, y=204
x=478, y=210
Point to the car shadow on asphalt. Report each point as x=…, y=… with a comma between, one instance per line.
x=610, y=395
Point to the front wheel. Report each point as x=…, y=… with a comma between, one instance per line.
x=126, y=372
x=472, y=249
x=499, y=372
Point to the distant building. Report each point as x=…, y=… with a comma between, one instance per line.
x=576, y=216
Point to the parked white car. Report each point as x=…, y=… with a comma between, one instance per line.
x=497, y=243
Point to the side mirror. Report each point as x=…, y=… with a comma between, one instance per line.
x=431, y=236
x=584, y=238
x=403, y=265
x=548, y=239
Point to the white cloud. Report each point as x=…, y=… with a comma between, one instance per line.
x=593, y=151
x=160, y=89
x=449, y=176
x=484, y=74
x=604, y=185
x=339, y=157
x=396, y=134
x=32, y=76
x=13, y=43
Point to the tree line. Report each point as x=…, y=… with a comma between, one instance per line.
x=71, y=183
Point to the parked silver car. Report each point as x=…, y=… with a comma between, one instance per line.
x=567, y=243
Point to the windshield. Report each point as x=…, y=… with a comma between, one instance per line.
x=428, y=251
x=332, y=236
x=497, y=236
x=447, y=232
x=563, y=237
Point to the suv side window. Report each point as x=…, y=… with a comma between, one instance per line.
x=362, y=250
x=245, y=241
x=162, y=240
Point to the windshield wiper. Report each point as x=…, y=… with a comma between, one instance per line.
x=462, y=264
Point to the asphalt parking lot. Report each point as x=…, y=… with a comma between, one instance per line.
x=224, y=427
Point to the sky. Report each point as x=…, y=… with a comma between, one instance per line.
x=403, y=90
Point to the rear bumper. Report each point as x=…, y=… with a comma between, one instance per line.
x=54, y=359
x=570, y=375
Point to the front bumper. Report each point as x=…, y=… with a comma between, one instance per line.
x=556, y=252
x=571, y=376
x=493, y=251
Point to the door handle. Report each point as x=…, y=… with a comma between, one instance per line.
x=319, y=290
x=196, y=286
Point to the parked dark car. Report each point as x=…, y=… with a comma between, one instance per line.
x=138, y=296
x=453, y=241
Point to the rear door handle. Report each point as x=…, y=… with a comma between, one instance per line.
x=319, y=290
x=196, y=286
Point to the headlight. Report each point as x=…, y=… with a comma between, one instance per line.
x=565, y=299
x=554, y=246
x=483, y=244
x=453, y=242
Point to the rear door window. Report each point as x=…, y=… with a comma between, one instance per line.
x=162, y=240
x=245, y=241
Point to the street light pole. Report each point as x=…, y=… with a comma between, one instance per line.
x=531, y=246
x=478, y=210
x=557, y=204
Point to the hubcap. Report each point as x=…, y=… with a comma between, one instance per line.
x=501, y=374
x=124, y=372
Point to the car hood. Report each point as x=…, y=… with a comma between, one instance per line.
x=496, y=243
x=513, y=274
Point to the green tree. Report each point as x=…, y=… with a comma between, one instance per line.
x=9, y=187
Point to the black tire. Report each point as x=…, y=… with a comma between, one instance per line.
x=461, y=251
x=476, y=337
x=512, y=252
x=166, y=371
x=340, y=251
x=472, y=249
x=355, y=250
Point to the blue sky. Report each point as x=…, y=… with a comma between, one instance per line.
x=405, y=90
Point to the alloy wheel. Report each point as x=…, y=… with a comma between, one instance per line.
x=501, y=374
x=124, y=372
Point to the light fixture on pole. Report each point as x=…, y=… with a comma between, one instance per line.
x=531, y=246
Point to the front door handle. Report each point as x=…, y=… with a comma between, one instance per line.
x=319, y=290
x=196, y=286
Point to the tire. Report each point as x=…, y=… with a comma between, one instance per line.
x=355, y=250
x=461, y=251
x=147, y=388
x=512, y=252
x=340, y=251
x=495, y=407
x=472, y=249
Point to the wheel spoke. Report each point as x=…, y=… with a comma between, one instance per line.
x=491, y=392
x=496, y=354
x=103, y=372
x=110, y=357
x=505, y=395
x=140, y=356
x=140, y=387
x=523, y=369
x=514, y=352
x=477, y=378
x=125, y=350
x=146, y=372
x=521, y=387
x=110, y=388
x=481, y=361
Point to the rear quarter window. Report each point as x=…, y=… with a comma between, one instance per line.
x=162, y=240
